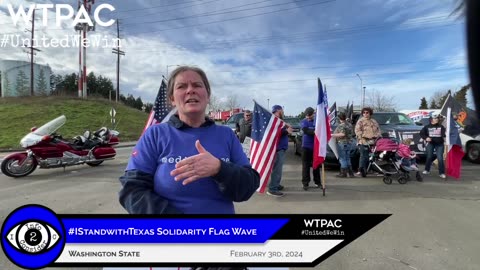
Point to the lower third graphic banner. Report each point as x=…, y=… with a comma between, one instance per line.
x=34, y=236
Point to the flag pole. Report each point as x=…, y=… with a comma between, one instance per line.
x=447, y=143
x=323, y=179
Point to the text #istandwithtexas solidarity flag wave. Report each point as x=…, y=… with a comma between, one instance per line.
x=454, y=151
x=322, y=129
x=266, y=130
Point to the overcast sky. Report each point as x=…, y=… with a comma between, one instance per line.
x=271, y=51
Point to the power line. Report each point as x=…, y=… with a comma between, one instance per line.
x=346, y=32
x=237, y=18
x=169, y=10
x=346, y=76
x=159, y=6
x=206, y=14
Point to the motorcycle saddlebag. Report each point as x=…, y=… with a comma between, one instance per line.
x=104, y=152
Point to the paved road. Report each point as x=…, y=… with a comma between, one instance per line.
x=435, y=224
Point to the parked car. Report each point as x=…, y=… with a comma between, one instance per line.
x=399, y=126
x=392, y=124
x=233, y=120
x=330, y=159
x=295, y=123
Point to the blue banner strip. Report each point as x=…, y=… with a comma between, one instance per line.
x=171, y=230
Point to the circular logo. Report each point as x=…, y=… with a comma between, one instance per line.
x=33, y=236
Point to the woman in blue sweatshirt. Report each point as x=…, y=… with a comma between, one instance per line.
x=189, y=165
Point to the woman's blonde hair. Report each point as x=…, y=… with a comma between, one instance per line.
x=407, y=141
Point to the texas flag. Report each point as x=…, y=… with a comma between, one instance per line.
x=322, y=129
x=454, y=152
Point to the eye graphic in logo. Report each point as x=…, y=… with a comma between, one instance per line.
x=33, y=236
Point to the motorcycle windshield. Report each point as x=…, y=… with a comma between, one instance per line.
x=51, y=126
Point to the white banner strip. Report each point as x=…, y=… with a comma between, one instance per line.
x=285, y=251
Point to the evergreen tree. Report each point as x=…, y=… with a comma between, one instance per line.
x=104, y=87
x=22, y=88
x=461, y=95
x=423, y=104
x=92, y=85
x=148, y=107
x=6, y=91
x=56, y=84
x=442, y=99
x=70, y=85
x=123, y=99
x=42, y=84
x=138, y=103
x=433, y=105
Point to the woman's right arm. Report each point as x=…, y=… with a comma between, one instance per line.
x=137, y=195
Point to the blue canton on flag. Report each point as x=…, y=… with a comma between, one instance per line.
x=162, y=109
x=260, y=122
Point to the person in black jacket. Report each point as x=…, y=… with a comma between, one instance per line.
x=244, y=127
x=434, y=135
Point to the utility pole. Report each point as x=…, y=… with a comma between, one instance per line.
x=363, y=100
x=118, y=52
x=362, y=88
x=32, y=53
x=82, y=53
x=79, y=28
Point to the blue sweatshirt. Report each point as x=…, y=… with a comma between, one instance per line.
x=282, y=143
x=148, y=187
x=308, y=127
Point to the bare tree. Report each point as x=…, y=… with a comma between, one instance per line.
x=232, y=102
x=215, y=104
x=380, y=102
x=438, y=98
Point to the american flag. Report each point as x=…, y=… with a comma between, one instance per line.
x=266, y=130
x=162, y=109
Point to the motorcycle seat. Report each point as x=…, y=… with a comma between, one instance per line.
x=101, y=133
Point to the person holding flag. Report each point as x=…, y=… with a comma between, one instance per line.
x=323, y=133
x=434, y=135
x=308, y=128
x=266, y=132
x=454, y=151
x=274, y=187
x=189, y=164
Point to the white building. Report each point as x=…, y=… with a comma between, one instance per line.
x=15, y=78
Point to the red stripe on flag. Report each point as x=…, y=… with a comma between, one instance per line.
x=454, y=161
x=149, y=122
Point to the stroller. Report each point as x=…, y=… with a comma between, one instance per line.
x=385, y=160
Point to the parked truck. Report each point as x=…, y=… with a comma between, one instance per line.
x=469, y=133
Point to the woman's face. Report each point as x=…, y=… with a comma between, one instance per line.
x=434, y=121
x=189, y=93
x=366, y=114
